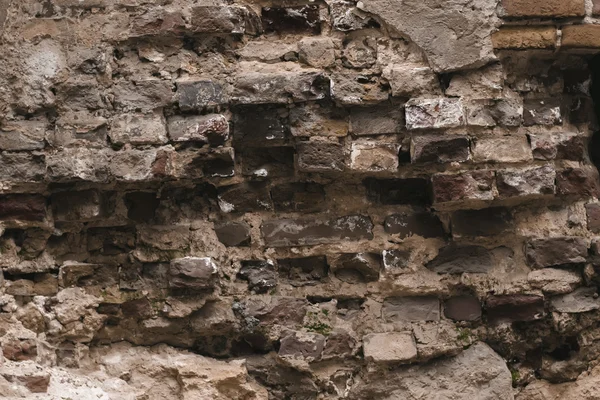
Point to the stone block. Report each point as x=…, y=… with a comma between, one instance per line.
x=525, y=37
x=411, y=80
x=218, y=19
x=545, y=112
x=260, y=274
x=424, y=224
x=289, y=232
x=303, y=271
x=593, y=217
x=200, y=94
x=580, y=182
x=542, y=253
x=384, y=119
x=389, y=347
x=157, y=22
x=245, y=197
x=197, y=163
x=359, y=52
x=411, y=309
x=439, y=148
x=23, y=207
x=374, y=157
x=138, y=129
x=550, y=146
x=581, y=36
x=485, y=222
x=211, y=128
x=305, y=345
x=313, y=119
x=91, y=165
x=516, y=307
x=22, y=135
x=554, y=280
x=437, y=113
x=488, y=113
x=260, y=127
x=146, y=95
x=233, y=233
x=543, y=8
x=316, y=51
x=196, y=273
x=139, y=165
x=81, y=206
x=462, y=308
x=141, y=206
x=298, y=19
x=505, y=149
x=320, y=156
x=346, y=17
x=536, y=181
x=415, y=191
x=470, y=185
x=458, y=259
x=298, y=196
x=271, y=162
x=23, y=167
x=482, y=83
x=356, y=267
x=353, y=88
x=579, y=301
x=79, y=128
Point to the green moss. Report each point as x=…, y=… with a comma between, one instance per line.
x=515, y=376
x=319, y=327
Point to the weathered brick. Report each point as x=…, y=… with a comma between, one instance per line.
x=525, y=37
x=316, y=120
x=346, y=17
x=505, y=149
x=320, y=156
x=456, y=259
x=318, y=52
x=353, y=88
x=593, y=217
x=139, y=129
x=484, y=222
x=289, y=232
x=472, y=185
x=260, y=274
x=412, y=80
x=219, y=19
x=384, y=119
x=299, y=19
x=374, y=156
x=308, y=346
x=245, y=197
x=414, y=191
x=462, y=308
x=137, y=165
x=396, y=260
x=536, y=181
x=157, y=22
x=272, y=162
x=581, y=36
x=192, y=273
x=260, y=127
x=549, y=146
x=581, y=182
x=434, y=113
x=411, y=309
x=85, y=205
x=389, y=347
x=79, y=128
x=488, y=113
x=556, y=251
x=581, y=300
x=198, y=95
x=298, y=196
x=22, y=135
x=554, y=280
x=211, y=128
x=439, y=148
x=356, y=267
x=544, y=8
x=233, y=233
x=303, y=271
x=23, y=167
x=25, y=207
x=542, y=112
x=516, y=307
x=198, y=163
x=423, y=224
x=146, y=94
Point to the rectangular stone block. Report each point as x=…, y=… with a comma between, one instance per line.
x=374, y=157
x=218, y=19
x=298, y=196
x=79, y=128
x=198, y=273
x=289, y=232
x=525, y=37
x=138, y=165
x=22, y=167
x=384, y=119
x=272, y=162
x=593, y=217
x=406, y=224
x=542, y=253
x=581, y=300
x=415, y=191
x=550, y=146
x=458, y=259
x=504, y=149
x=411, y=309
x=24, y=207
x=412, y=80
x=581, y=36
x=462, y=308
x=198, y=95
x=488, y=113
x=245, y=197
x=545, y=112
x=146, y=94
x=484, y=222
x=320, y=156
x=536, y=181
x=260, y=126
x=210, y=128
x=316, y=120
x=580, y=182
x=516, y=307
x=434, y=113
x=139, y=129
x=81, y=206
x=299, y=19
x=439, y=148
x=389, y=347
x=470, y=185
x=544, y=8
x=157, y=22
x=22, y=135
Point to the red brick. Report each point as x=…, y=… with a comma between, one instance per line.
x=525, y=37
x=582, y=36
x=544, y=8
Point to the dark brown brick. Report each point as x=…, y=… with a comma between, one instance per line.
x=581, y=36
x=471, y=185
x=289, y=232
x=267, y=162
x=456, y=259
x=260, y=126
x=356, y=267
x=517, y=307
x=544, y=8
x=440, y=149
x=415, y=191
x=423, y=224
x=22, y=207
x=197, y=95
x=556, y=251
x=300, y=19
x=593, y=217
x=542, y=112
x=531, y=182
x=484, y=222
x=303, y=271
x=233, y=233
x=581, y=182
x=260, y=274
x=462, y=308
x=298, y=196
x=320, y=156
x=192, y=273
x=85, y=205
x=245, y=197
x=411, y=308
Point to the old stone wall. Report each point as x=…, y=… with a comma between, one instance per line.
x=298, y=200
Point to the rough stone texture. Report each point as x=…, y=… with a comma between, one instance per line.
x=528, y=182
x=539, y=37
x=514, y=307
x=390, y=347
x=476, y=185
x=555, y=251
x=434, y=113
x=511, y=149
x=578, y=301
x=411, y=309
x=442, y=149
x=462, y=308
x=552, y=8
